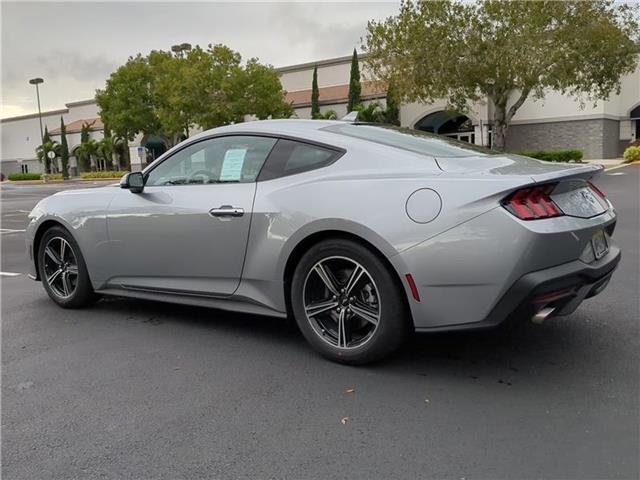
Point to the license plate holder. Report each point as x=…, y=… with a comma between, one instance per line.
x=599, y=244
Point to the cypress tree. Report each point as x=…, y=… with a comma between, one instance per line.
x=64, y=149
x=392, y=113
x=315, y=94
x=354, y=83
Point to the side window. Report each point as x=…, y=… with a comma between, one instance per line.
x=236, y=159
x=289, y=157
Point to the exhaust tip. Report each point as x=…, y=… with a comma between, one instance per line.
x=542, y=315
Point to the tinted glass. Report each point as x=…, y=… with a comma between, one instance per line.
x=236, y=159
x=410, y=140
x=290, y=157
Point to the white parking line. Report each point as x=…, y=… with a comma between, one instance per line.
x=9, y=274
x=616, y=173
x=10, y=230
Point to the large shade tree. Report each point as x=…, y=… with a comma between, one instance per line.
x=504, y=52
x=167, y=94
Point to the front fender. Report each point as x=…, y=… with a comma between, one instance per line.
x=83, y=214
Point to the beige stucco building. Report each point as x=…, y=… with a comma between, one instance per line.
x=558, y=121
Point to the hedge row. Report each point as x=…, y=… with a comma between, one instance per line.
x=555, y=155
x=103, y=174
x=24, y=176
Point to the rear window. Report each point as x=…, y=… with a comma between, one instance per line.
x=411, y=140
x=289, y=157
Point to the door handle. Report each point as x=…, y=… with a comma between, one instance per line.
x=226, y=211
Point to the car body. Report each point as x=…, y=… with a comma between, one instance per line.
x=438, y=214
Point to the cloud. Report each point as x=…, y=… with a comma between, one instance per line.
x=74, y=46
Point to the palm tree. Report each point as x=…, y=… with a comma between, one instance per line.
x=85, y=154
x=373, y=112
x=328, y=115
x=43, y=150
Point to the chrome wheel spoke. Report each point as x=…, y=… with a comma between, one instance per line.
x=72, y=270
x=356, y=275
x=52, y=255
x=52, y=278
x=365, y=314
x=316, y=308
x=66, y=284
x=63, y=246
x=327, y=278
x=342, y=333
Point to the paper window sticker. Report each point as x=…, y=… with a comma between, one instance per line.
x=232, y=164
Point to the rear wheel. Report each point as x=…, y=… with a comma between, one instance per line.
x=347, y=304
x=62, y=269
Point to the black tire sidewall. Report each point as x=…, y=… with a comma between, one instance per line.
x=393, y=326
x=83, y=294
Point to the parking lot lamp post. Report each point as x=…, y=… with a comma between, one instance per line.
x=36, y=82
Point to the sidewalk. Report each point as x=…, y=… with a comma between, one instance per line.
x=607, y=162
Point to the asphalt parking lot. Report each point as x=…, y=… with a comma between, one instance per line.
x=133, y=389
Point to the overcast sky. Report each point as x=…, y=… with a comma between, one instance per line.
x=75, y=45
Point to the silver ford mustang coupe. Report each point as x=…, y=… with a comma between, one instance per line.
x=360, y=232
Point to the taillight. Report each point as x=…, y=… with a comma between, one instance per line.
x=597, y=190
x=533, y=203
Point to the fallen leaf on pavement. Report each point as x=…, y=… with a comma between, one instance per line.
x=344, y=420
x=351, y=390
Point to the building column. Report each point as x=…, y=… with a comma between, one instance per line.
x=481, y=134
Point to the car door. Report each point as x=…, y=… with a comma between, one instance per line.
x=187, y=231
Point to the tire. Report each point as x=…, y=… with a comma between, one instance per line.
x=372, y=310
x=71, y=286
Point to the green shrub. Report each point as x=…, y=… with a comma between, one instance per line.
x=52, y=176
x=104, y=174
x=632, y=154
x=24, y=176
x=555, y=155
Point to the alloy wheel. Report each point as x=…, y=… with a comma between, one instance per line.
x=341, y=302
x=60, y=267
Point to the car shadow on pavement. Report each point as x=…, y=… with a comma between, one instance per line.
x=504, y=352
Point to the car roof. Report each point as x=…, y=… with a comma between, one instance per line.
x=303, y=129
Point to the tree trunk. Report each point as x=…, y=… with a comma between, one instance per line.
x=502, y=117
x=127, y=155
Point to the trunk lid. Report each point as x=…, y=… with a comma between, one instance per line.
x=572, y=192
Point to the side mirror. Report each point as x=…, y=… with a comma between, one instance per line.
x=134, y=182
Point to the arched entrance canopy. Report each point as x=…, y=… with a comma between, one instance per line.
x=155, y=146
x=449, y=123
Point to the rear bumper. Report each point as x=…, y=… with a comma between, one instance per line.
x=563, y=288
x=476, y=274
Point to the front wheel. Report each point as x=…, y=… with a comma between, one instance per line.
x=347, y=304
x=62, y=269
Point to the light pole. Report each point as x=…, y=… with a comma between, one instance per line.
x=37, y=81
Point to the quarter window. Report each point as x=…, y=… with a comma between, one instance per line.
x=289, y=157
x=232, y=159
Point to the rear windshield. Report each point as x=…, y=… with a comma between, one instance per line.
x=412, y=140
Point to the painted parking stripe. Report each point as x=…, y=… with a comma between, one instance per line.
x=615, y=174
x=9, y=274
x=10, y=230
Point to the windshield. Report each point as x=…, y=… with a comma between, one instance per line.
x=412, y=140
